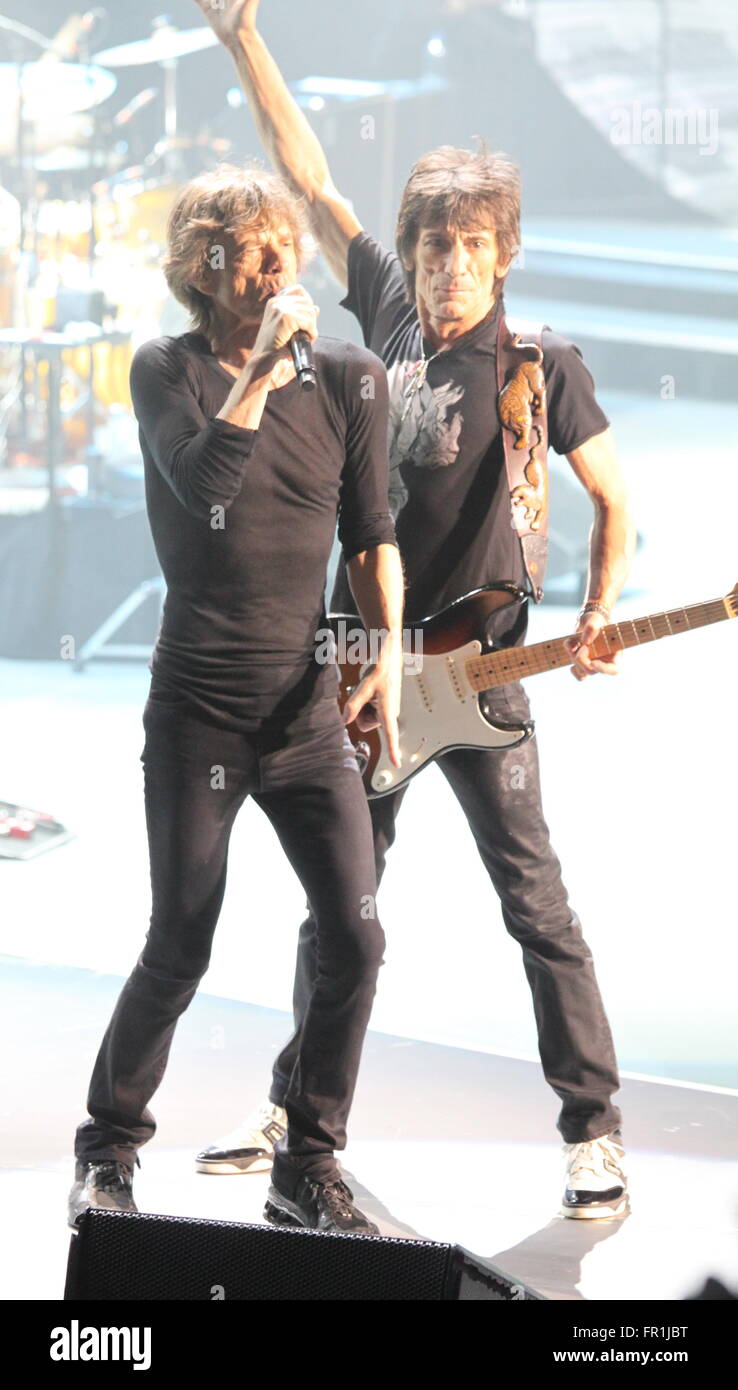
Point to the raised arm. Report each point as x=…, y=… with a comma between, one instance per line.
x=285, y=132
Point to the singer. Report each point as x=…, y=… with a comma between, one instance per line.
x=246, y=474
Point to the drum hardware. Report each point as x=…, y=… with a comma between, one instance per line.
x=166, y=46
x=100, y=645
x=48, y=348
x=63, y=375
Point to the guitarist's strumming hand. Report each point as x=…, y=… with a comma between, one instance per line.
x=588, y=627
x=376, y=700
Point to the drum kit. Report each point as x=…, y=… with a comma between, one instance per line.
x=82, y=231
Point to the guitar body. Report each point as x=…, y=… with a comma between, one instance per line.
x=450, y=661
x=439, y=710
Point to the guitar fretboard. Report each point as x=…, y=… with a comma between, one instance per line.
x=514, y=663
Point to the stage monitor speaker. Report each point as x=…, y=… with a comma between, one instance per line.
x=136, y=1256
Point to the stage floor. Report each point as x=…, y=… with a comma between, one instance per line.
x=446, y=1144
x=452, y=1136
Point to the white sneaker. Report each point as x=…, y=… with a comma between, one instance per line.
x=596, y=1185
x=250, y=1147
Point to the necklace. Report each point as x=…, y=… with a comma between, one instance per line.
x=415, y=380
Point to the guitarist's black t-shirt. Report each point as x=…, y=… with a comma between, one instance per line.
x=243, y=522
x=448, y=483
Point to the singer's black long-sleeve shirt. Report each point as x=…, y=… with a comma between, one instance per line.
x=243, y=520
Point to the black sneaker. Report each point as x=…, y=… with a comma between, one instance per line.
x=321, y=1206
x=103, y=1184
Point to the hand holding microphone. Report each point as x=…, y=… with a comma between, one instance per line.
x=290, y=325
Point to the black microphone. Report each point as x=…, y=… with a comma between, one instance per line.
x=302, y=356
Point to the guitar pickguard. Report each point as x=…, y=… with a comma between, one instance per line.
x=439, y=711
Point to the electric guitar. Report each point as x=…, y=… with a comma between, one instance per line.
x=450, y=662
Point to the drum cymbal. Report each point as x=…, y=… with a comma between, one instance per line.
x=51, y=89
x=165, y=43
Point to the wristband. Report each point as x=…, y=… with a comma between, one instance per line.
x=593, y=605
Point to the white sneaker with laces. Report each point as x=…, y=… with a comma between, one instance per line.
x=250, y=1147
x=596, y=1185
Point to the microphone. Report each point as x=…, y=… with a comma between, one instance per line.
x=302, y=356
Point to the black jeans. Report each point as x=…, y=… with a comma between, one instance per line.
x=196, y=777
x=499, y=791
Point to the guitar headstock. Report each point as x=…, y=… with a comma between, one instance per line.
x=731, y=601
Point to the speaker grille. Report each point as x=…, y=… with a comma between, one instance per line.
x=133, y=1255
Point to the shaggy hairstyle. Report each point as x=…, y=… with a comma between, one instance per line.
x=227, y=199
x=459, y=189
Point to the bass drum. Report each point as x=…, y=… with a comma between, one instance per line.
x=130, y=240
x=111, y=369
x=131, y=215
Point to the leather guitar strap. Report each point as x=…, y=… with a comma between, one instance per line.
x=521, y=406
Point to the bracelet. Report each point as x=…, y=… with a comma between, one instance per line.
x=593, y=605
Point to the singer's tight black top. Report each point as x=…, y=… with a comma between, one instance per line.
x=243, y=521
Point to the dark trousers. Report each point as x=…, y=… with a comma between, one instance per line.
x=196, y=777
x=500, y=794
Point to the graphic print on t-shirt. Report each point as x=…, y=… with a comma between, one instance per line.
x=424, y=430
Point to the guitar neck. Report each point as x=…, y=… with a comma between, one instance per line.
x=514, y=663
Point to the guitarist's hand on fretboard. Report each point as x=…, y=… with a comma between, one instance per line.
x=590, y=624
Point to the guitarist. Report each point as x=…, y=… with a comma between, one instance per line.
x=432, y=313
